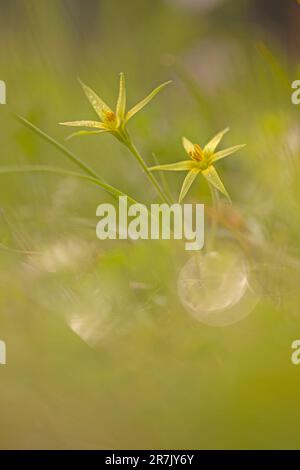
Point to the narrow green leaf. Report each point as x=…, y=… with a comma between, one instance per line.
x=59, y=146
x=48, y=169
x=274, y=63
x=145, y=101
x=188, y=181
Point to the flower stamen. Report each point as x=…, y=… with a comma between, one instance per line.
x=197, y=153
x=110, y=116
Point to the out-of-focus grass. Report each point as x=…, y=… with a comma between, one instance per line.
x=100, y=351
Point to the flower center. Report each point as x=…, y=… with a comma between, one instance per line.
x=197, y=153
x=110, y=116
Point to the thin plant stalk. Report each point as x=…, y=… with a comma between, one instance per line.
x=132, y=148
x=62, y=148
x=214, y=223
x=48, y=169
x=91, y=175
x=88, y=170
x=164, y=181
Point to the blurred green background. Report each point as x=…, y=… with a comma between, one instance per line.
x=101, y=352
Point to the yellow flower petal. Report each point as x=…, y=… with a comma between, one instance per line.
x=145, y=101
x=121, y=103
x=213, y=178
x=96, y=124
x=214, y=142
x=98, y=104
x=226, y=152
x=185, y=165
x=188, y=181
x=188, y=146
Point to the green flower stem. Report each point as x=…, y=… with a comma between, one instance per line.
x=90, y=174
x=214, y=223
x=48, y=169
x=146, y=170
x=89, y=171
x=164, y=182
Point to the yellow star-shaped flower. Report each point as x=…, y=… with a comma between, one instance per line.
x=111, y=121
x=201, y=161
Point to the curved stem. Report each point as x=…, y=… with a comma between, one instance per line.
x=48, y=169
x=89, y=171
x=62, y=148
x=146, y=170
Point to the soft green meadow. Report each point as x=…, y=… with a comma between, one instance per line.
x=123, y=344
